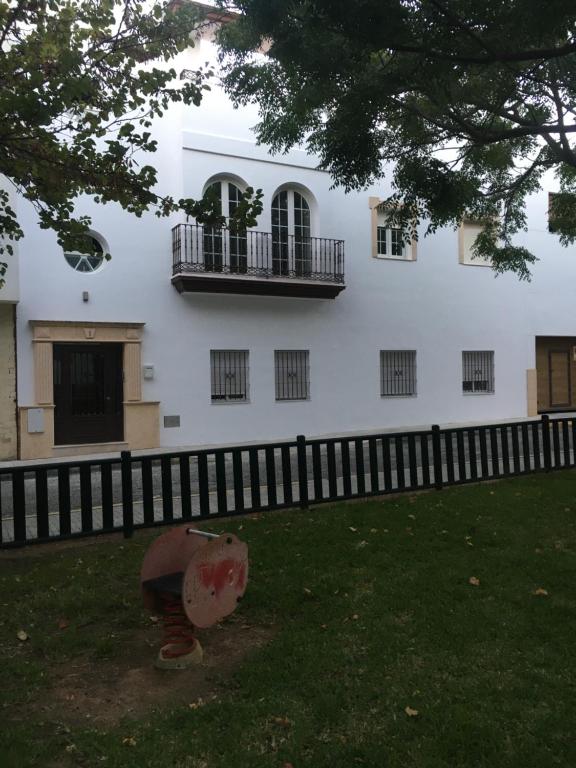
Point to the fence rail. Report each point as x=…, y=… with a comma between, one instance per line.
x=55, y=501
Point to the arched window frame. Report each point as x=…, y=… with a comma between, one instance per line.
x=292, y=222
x=226, y=250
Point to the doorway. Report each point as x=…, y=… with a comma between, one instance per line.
x=556, y=373
x=88, y=393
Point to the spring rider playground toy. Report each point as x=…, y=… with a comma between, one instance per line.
x=191, y=579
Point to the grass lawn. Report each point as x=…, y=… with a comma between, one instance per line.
x=353, y=613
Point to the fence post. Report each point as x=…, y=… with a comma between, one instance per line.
x=437, y=457
x=302, y=471
x=546, y=447
x=127, y=497
x=19, y=506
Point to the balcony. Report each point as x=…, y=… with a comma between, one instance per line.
x=209, y=260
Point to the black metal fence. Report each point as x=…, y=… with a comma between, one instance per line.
x=196, y=248
x=61, y=500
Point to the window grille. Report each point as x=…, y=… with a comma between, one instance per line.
x=397, y=372
x=292, y=374
x=478, y=372
x=229, y=373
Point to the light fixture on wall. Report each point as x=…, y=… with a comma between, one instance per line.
x=85, y=296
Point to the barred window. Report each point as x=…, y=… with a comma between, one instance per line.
x=292, y=368
x=478, y=372
x=229, y=374
x=397, y=372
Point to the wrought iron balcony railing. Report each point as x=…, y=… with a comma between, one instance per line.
x=207, y=251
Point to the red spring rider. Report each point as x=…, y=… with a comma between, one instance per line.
x=192, y=579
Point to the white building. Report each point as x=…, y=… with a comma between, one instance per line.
x=323, y=324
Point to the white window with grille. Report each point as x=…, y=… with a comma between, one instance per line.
x=292, y=369
x=229, y=375
x=398, y=373
x=478, y=373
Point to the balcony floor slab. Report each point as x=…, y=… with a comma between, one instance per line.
x=255, y=286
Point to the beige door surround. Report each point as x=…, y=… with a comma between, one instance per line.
x=141, y=419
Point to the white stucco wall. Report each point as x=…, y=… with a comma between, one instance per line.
x=433, y=305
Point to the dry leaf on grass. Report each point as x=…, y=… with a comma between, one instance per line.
x=21, y=635
x=411, y=712
x=282, y=721
x=353, y=529
x=474, y=581
x=129, y=741
x=540, y=591
x=62, y=623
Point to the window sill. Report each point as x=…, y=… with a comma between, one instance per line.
x=394, y=258
x=479, y=264
x=399, y=397
x=230, y=402
x=477, y=394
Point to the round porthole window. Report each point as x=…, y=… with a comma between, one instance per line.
x=88, y=261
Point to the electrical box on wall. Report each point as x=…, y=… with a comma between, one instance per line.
x=148, y=372
x=35, y=420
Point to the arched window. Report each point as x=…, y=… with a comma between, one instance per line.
x=291, y=245
x=89, y=259
x=225, y=249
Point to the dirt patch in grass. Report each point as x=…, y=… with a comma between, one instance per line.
x=101, y=692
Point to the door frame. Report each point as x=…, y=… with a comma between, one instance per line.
x=141, y=417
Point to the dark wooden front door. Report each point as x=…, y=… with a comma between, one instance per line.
x=88, y=393
x=559, y=376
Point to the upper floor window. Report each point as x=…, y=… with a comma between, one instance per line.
x=225, y=250
x=291, y=230
x=388, y=239
x=89, y=259
x=561, y=208
x=467, y=234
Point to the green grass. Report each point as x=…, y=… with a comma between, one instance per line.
x=374, y=612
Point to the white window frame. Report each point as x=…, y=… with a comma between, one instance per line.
x=478, y=367
x=229, y=376
x=398, y=373
x=83, y=258
x=385, y=233
x=292, y=375
x=465, y=257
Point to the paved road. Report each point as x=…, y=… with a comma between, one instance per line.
x=286, y=485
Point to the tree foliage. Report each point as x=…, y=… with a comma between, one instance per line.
x=82, y=83
x=464, y=104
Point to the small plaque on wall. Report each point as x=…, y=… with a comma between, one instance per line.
x=35, y=420
x=171, y=421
